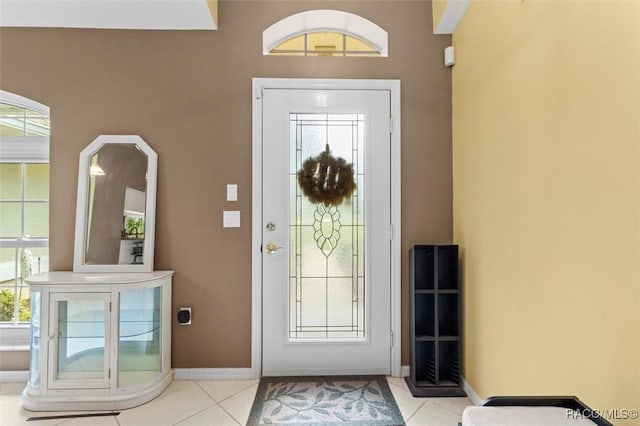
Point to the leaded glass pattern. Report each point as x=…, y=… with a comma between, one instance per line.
x=327, y=277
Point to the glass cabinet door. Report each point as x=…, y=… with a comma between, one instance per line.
x=80, y=333
x=139, y=346
x=34, y=362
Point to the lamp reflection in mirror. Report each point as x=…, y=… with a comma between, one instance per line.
x=95, y=169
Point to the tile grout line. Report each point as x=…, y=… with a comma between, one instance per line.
x=219, y=404
x=244, y=389
x=205, y=392
x=230, y=396
x=199, y=411
x=416, y=410
x=231, y=415
x=204, y=409
x=448, y=409
x=398, y=386
x=250, y=407
x=196, y=413
x=409, y=392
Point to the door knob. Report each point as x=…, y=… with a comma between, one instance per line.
x=272, y=248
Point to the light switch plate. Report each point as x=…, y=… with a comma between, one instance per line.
x=231, y=219
x=232, y=192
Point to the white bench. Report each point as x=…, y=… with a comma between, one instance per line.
x=532, y=411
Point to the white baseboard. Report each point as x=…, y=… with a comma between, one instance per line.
x=228, y=373
x=14, y=376
x=405, y=370
x=213, y=374
x=471, y=394
x=178, y=374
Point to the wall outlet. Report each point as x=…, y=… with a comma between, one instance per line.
x=184, y=316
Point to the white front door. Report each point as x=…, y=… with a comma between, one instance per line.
x=326, y=275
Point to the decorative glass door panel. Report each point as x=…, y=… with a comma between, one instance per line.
x=80, y=324
x=327, y=281
x=140, y=333
x=325, y=241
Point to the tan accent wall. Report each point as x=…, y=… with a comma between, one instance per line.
x=188, y=94
x=546, y=142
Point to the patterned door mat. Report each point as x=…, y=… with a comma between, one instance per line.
x=323, y=401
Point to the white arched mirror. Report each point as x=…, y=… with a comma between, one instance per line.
x=115, y=212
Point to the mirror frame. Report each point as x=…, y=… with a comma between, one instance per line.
x=82, y=205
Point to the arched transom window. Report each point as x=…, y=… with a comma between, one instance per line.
x=325, y=33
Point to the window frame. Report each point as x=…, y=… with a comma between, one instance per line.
x=336, y=21
x=22, y=150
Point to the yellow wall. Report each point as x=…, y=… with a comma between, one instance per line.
x=546, y=137
x=213, y=9
x=438, y=7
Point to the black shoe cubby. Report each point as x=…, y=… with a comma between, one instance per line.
x=434, y=321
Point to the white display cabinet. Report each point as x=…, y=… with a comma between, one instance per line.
x=98, y=341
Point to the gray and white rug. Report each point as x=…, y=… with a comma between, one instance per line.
x=324, y=401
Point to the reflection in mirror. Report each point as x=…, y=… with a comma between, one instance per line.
x=133, y=223
x=117, y=187
x=116, y=205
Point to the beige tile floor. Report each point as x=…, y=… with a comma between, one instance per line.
x=219, y=403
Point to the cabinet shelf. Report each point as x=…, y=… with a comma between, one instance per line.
x=425, y=338
x=138, y=328
x=442, y=338
x=434, y=312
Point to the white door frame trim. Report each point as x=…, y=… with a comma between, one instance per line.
x=258, y=84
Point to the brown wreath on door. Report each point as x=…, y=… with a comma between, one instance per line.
x=326, y=179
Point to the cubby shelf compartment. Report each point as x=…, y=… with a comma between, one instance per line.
x=435, y=327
